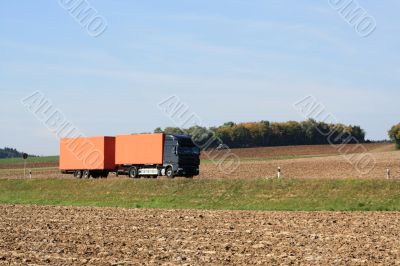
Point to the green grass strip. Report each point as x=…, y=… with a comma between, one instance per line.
x=44, y=159
x=238, y=194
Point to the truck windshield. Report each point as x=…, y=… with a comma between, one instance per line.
x=188, y=150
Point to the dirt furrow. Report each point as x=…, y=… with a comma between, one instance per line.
x=73, y=235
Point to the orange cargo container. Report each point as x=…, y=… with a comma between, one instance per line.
x=94, y=153
x=139, y=149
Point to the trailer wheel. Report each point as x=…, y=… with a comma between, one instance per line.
x=95, y=174
x=104, y=174
x=86, y=174
x=78, y=174
x=133, y=172
x=169, y=172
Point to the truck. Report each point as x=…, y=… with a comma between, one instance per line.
x=134, y=155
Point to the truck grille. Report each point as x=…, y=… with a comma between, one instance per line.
x=188, y=160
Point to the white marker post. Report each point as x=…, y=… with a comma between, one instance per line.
x=279, y=172
x=388, y=173
x=30, y=174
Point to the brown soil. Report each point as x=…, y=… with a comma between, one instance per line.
x=317, y=167
x=305, y=150
x=94, y=236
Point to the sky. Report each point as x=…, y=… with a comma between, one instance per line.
x=226, y=60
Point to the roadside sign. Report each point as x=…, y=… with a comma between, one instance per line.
x=24, y=156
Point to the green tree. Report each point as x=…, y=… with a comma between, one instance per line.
x=224, y=134
x=240, y=136
x=358, y=133
x=174, y=131
x=310, y=132
x=229, y=124
x=200, y=135
x=394, y=134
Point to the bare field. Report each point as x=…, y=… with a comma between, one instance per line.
x=76, y=235
x=320, y=161
x=304, y=150
x=316, y=167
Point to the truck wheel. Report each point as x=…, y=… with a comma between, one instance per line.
x=78, y=174
x=133, y=172
x=86, y=174
x=95, y=175
x=105, y=174
x=169, y=172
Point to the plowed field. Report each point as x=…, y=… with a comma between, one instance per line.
x=304, y=150
x=315, y=167
x=72, y=235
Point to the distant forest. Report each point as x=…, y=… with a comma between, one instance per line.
x=260, y=134
x=10, y=153
x=265, y=133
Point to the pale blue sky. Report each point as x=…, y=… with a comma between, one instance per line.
x=228, y=60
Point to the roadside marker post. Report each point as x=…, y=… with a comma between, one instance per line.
x=388, y=173
x=30, y=174
x=279, y=172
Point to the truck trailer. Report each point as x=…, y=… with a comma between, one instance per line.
x=135, y=155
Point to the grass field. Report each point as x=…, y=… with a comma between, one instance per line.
x=44, y=159
x=232, y=194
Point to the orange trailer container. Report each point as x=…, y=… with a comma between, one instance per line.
x=139, y=149
x=134, y=155
x=94, y=153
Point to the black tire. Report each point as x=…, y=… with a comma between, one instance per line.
x=133, y=172
x=86, y=174
x=95, y=174
x=169, y=172
x=104, y=174
x=78, y=174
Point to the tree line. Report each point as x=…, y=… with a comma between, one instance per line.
x=9, y=153
x=265, y=133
